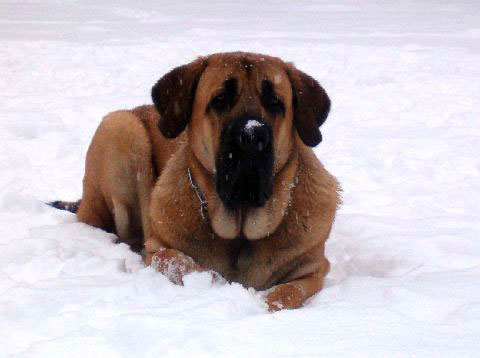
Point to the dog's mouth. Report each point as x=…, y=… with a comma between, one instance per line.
x=244, y=175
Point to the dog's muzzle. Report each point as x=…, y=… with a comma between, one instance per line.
x=245, y=163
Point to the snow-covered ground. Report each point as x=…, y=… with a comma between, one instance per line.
x=403, y=138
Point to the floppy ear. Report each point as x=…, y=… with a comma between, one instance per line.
x=310, y=106
x=173, y=97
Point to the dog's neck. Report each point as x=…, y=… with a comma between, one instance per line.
x=253, y=223
x=200, y=195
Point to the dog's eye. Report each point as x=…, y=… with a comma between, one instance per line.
x=225, y=99
x=270, y=100
x=219, y=102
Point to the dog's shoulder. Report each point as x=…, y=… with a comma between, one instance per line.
x=147, y=115
x=162, y=148
x=315, y=185
x=313, y=204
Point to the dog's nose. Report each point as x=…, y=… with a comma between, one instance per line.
x=252, y=134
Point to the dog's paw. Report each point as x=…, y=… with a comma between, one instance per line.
x=174, y=264
x=284, y=296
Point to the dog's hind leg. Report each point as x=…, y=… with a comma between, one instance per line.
x=144, y=188
x=118, y=179
x=128, y=177
x=122, y=221
x=94, y=211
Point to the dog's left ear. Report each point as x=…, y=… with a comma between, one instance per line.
x=311, y=105
x=173, y=96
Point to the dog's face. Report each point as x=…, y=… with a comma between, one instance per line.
x=243, y=111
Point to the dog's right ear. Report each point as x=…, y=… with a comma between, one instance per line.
x=173, y=96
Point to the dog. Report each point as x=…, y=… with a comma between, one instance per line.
x=219, y=174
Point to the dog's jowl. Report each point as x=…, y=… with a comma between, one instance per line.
x=219, y=174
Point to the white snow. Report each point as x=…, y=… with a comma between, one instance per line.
x=249, y=130
x=252, y=123
x=403, y=138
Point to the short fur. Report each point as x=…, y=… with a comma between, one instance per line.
x=137, y=181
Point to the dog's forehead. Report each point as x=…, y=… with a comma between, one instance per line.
x=258, y=67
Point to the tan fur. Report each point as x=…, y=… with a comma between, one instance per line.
x=297, y=243
x=119, y=174
x=286, y=237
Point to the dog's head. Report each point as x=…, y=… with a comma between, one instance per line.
x=243, y=111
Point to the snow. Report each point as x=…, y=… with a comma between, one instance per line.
x=249, y=130
x=402, y=138
x=252, y=123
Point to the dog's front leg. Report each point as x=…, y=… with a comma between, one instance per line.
x=172, y=263
x=293, y=294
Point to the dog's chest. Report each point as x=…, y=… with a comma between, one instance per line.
x=240, y=254
x=236, y=259
x=247, y=264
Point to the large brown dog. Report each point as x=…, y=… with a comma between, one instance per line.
x=238, y=189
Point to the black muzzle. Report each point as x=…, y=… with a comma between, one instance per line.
x=245, y=163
